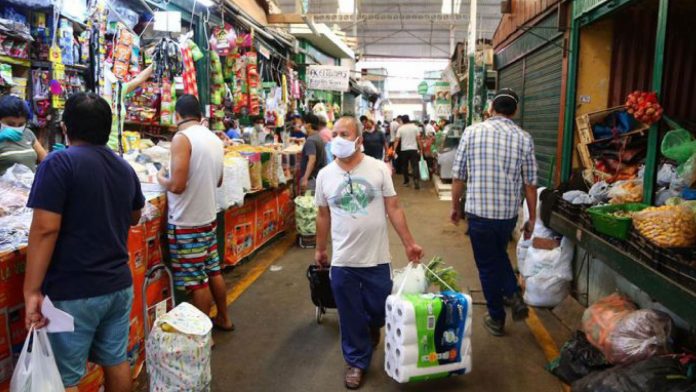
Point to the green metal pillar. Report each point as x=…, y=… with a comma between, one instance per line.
x=571, y=85
x=653, y=134
x=471, y=89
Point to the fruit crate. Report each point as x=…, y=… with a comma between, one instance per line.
x=616, y=227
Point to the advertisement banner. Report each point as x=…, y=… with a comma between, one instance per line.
x=443, y=99
x=328, y=78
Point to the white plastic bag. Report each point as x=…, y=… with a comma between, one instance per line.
x=178, y=351
x=416, y=282
x=546, y=289
x=36, y=370
x=522, y=248
x=558, y=261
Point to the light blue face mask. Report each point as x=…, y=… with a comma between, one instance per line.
x=8, y=133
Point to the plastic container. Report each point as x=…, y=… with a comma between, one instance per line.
x=610, y=225
x=689, y=194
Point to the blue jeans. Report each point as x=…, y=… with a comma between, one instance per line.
x=489, y=240
x=360, y=295
x=101, y=332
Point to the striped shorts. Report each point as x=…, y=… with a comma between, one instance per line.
x=194, y=255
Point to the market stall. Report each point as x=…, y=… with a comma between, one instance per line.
x=628, y=152
x=236, y=68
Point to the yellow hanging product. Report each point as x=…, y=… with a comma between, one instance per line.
x=285, y=89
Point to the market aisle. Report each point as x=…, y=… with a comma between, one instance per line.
x=278, y=346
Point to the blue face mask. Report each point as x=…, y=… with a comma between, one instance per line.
x=8, y=133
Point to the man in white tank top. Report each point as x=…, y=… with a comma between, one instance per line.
x=195, y=172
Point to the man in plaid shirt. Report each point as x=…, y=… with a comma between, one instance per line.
x=495, y=161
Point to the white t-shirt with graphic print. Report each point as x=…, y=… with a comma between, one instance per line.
x=358, y=214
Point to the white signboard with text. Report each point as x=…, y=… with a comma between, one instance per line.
x=328, y=78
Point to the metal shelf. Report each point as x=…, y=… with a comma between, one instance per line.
x=669, y=293
x=15, y=61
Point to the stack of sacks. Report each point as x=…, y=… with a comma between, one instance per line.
x=545, y=264
x=428, y=336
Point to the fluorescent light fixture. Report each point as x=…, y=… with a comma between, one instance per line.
x=346, y=6
x=450, y=7
x=206, y=3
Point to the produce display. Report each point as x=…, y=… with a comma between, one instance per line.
x=644, y=107
x=306, y=215
x=667, y=226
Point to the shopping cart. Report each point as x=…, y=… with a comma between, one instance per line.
x=320, y=289
x=161, y=299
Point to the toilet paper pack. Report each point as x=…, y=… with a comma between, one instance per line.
x=428, y=336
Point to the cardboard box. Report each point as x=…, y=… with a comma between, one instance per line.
x=545, y=243
x=240, y=230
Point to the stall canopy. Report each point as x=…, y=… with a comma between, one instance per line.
x=323, y=39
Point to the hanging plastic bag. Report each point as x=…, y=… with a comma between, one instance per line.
x=36, y=370
x=415, y=280
x=423, y=168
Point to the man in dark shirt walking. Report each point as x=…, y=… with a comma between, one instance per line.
x=85, y=198
x=313, y=153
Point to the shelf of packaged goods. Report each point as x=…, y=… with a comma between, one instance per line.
x=145, y=124
x=15, y=61
x=48, y=65
x=669, y=293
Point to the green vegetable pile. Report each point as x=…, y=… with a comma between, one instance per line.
x=446, y=274
x=306, y=215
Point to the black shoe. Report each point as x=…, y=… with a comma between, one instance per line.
x=519, y=309
x=417, y=186
x=407, y=183
x=494, y=327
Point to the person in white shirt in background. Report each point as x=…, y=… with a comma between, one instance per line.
x=393, y=128
x=408, y=138
x=355, y=196
x=430, y=128
x=196, y=169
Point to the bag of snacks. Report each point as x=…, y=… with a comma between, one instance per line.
x=624, y=192
x=667, y=226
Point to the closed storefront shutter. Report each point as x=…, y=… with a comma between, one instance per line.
x=541, y=103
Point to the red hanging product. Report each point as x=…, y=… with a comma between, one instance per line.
x=189, y=74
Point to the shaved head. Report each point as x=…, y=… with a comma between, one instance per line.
x=349, y=124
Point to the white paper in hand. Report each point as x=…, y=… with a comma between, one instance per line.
x=58, y=320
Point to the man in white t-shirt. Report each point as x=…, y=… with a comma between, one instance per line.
x=393, y=128
x=355, y=195
x=408, y=137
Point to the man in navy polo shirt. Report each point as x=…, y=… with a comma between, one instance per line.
x=85, y=198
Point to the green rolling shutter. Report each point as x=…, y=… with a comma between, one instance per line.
x=541, y=103
x=536, y=78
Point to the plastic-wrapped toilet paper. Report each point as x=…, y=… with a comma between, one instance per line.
x=404, y=313
x=428, y=336
x=405, y=335
x=414, y=373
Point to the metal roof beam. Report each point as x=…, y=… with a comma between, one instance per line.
x=409, y=17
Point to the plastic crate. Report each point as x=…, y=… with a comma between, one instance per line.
x=610, y=225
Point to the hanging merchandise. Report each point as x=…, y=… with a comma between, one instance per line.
x=122, y=53
x=167, y=60
x=241, y=88
x=168, y=102
x=223, y=41
x=218, y=91
x=253, y=83
x=284, y=86
x=189, y=70
x=65, y=41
